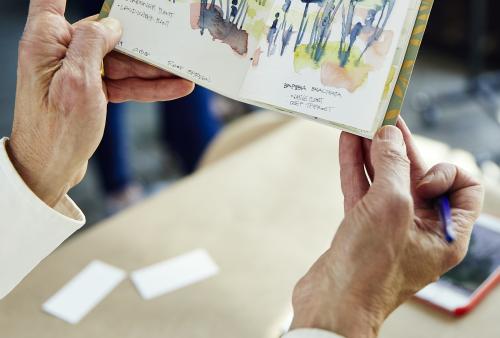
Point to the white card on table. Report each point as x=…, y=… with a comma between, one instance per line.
x=174, y=273
x=80, y=295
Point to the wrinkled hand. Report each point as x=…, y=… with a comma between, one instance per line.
x=61, y=97
x=390, y=244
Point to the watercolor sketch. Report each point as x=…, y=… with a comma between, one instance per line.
x=229, y=21
x=344, y=40
x=280, y=29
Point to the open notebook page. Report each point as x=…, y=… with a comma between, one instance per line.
x=330, y=60
x=209, y=42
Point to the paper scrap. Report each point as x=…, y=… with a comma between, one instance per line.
x=174, y=274
x=80, y=295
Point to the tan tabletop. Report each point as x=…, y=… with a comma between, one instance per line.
x=264, y=213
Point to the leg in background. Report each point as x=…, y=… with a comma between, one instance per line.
x=113, y=163
x=189, y=126
x=111, y=155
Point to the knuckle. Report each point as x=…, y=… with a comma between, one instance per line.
x=74, y=81
x=90, y=28
x=395, y=156
x=447, y=170
x=91, y=37
x=445, y=173
x=400, y=201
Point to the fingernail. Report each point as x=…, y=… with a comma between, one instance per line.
x=112, y=24
x=390, y=133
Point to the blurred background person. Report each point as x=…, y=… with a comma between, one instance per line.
x=187, y=127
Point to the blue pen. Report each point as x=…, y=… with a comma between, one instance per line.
x=443, y=203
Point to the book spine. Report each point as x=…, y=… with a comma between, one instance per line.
x=106, y=8
x=397, y=99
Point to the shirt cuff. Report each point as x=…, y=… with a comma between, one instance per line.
x=311, y=333
x=29, y=229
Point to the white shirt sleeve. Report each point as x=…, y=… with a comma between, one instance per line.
x=29, y=229
x=311, y=333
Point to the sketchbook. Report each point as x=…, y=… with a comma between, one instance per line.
x=345, y=63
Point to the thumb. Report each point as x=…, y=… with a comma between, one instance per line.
x=91, y=42
x=390, y=161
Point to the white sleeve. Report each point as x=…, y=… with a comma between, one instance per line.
x=29, y=229
x=310, y=333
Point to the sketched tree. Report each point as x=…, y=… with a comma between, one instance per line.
x=285, y=8
x=285, y=38
x=322, y=29
x=305, y=20
x=380, y=13
x=273, y=32
x=385, y=13
x=225, y=26
x=286, y=34
x=280, y=30
x=348, y=30
x=239, y=12
x=203, y=8
x=235, y=13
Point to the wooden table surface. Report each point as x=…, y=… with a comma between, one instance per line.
x=264, y=214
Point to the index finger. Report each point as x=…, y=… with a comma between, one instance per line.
x=466, y=193
x=418, y=166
